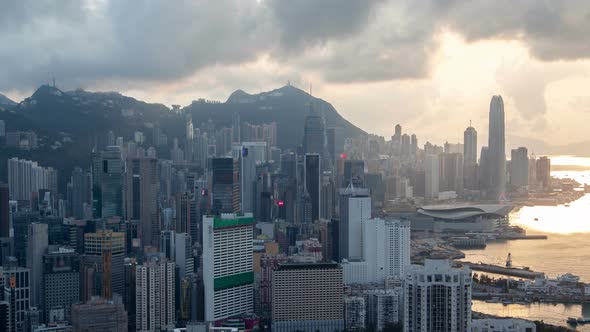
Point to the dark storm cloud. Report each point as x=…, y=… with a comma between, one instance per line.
x=83, y=43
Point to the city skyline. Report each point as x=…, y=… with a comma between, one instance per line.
x=432, y=81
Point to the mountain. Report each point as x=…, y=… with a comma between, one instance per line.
x=287, y=106
x=69, y=124
x=5, y=102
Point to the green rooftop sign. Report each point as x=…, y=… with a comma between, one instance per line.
x=218, y=222
x=233, y=280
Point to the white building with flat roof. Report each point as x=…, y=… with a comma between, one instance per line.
x=228, y=273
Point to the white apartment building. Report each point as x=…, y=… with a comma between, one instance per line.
x=154, y=298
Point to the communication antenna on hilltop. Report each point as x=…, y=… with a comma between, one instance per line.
x=53, y=81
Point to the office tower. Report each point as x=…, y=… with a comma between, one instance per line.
x=142, y=186
x=4, y=211
x=103, y=264
x=26, y=178
x=354, y=172
x=437, y=297
x=108, y=182
x=312, y=182
x=178, y=249
x=316, y=304
x=314, y=136
x=519, y=167
x=533, y=171
x=496, y=149
x=406, y=144
x=155, y=300
x=16, y=289
x=248, y=179
x=451, y=172
x=414, y=145
x=355, y=313
x=99, y=314
x=431, y=181
x=328, y=197
x=334, y=143
x=61, y=283
x=470, y=158
x=225, y=185
x=483, y=172
x=189, y=138
x=228, y=275
x=176, y=153
x=2, y=128
x=543, y=171
x=81, y=199
x=236, y=125
x=37, y=241
x=355, y=209
x=223, y=141
x=256, y=150
x=182, y=221
x=4, y=315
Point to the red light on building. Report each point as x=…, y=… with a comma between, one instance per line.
x=343, y=156
x=281, y=203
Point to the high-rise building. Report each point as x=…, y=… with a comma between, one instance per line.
x=315, y=304
x=353, y=172
x=26, y=178
x=189, y=138
x=225, y=185
x=248, y=179
x=314, y=135
x=543, y=171
x=519, y=167
x=431, y=181
x=355, y=209
x=451, y=172
x=81, y=183
x=496, y=149
x=99, y=314
x=16, y=283
x=236, y=125
x=4, y=211
x=385, y=306
x=470, y=158
x=103, y=264
x=437, y=297
x=227, y=265
x=37, y=241
x=335, y=143
x=414, y=145
x=108, y=172
x=355, y=313
x=61, y=283
x=396, y=141
x=155, y=300
x=313, y=182
x=406, y=145
x=142, y=186
x=177, y=248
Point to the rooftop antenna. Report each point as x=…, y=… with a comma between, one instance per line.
x=469, y=123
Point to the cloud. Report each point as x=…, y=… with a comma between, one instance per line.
x=341, y=41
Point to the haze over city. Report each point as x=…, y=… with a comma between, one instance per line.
x=294, y=166
x=431, y=65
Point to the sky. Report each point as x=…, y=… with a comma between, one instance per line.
x=430, y=65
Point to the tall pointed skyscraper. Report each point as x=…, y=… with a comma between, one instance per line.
x=496, y=149
x=314, y=136
x=470, y=158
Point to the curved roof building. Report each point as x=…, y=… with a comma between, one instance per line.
x=465, y=212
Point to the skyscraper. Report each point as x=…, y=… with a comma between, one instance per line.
x=227, y=265
x=355, y=209
x=26, y=177
x=314, y=136
x=61, y=283
x=142, y=186
x=178, y=249
x=236, y=125
x=103, y=263
x=431, y=170
x=225, y=183
x=519, y=167
x=108, y=181
x=406, y=145
x=354, y=172
x=248, y=179
x=37, y=242
x=316, y=304
x=189, y=138
x=313, y=182
x=437, y=297
x=470, y=158
x=81, y=182
x=496, y=149
x=17, y=289
x=154, y=299
x=451, y=171
x=543, y=171
x=99, y=314
x=4, y=211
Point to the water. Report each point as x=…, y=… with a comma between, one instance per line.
x=565, y=250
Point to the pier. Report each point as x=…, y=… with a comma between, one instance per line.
x=513, y=272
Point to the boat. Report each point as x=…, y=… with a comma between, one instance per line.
x=568, y=277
